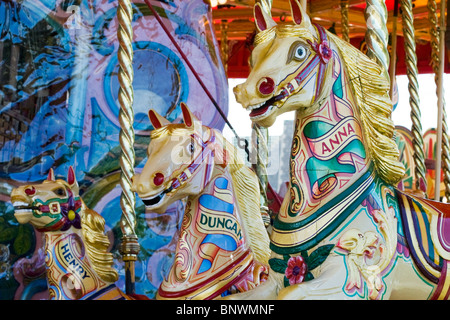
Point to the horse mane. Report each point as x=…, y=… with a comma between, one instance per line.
x=371, y=89
x=97, y=244
x=246, y=186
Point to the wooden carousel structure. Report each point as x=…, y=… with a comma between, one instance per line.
x=380, y=23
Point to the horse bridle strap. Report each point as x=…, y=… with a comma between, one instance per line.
x=321, y=59
x=56, y=206
x=195, y=164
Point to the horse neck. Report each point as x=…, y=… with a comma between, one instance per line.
x=70, y=274
x=211, y=237
x=328, y=156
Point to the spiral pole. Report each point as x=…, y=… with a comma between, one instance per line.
x=443, y=153
x=413, y=88
x=130, y=246
x=224, y=44
x=393, y=67
x=260, y=160
x=377, y=35
x=344, y=21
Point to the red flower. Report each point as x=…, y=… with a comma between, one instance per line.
x=323, y=50
x=296, y=270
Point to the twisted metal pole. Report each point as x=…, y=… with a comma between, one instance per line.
x=413, y=88
x=130, y=246
x=344, y=21
x=260, y=151
x=224, y=44
x=260, y=139
x=377, y=35
x=393, y=68
x=438, y=56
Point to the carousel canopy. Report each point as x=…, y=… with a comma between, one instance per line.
x=234, y=22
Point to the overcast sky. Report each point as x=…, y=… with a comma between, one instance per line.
x=239, y=118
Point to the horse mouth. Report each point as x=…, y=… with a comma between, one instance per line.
x=149, y=202
x=23, y=207
x=23, y=211
x=264, y=109
x=153, y=201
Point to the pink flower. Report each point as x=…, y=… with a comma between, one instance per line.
x=296, y=270
x=323, y=50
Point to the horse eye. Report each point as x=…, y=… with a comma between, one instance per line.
x=190, y=148
x=60, y=191
x=300, y=53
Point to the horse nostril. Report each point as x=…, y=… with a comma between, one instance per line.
x=266, y=86
x=158, y=179
x=30, y=191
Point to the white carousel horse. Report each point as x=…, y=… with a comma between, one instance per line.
x=343, y=231
x=223, y=245
x=78, y=264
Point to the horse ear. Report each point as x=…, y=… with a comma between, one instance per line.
x=299, y=14
x=188, y=117
x=263, y=19
x=71, y=179
x=51, y=175
x=157, y=120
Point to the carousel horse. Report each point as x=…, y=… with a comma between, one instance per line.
x=223, y=246
x=78, y=263
x=343, y=231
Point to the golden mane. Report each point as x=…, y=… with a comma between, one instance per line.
x=97, y=244
x=246, y=186
x=371, y=90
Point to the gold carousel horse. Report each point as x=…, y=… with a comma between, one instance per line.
x=78, y=263
x=343, y=231
x=223, y=246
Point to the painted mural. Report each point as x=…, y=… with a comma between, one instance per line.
x=59, y=108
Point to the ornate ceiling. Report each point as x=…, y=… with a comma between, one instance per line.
x=239, y=16
x=234, y=19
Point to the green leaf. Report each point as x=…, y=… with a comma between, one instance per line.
x=286, y=282
x=8, y=234
x=318, y=256
x=22, y=243
x=308, y=277
x=278, y=265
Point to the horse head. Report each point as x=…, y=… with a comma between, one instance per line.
x=180, y=160
x=51, y=205
x=289, y=64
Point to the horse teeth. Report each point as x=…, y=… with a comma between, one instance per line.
x=20, y=203
x=255, y=106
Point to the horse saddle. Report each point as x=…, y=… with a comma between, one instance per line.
x=426, y=228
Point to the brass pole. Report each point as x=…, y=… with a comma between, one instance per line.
x=393, y=67
x=130, y=246
x=260, y=138
x=260, y=147
x=441, y=121
x=224, y=44
x=344, y=20
x=377, y=35
x=413, y=88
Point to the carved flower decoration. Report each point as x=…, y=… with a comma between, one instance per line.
x=70, y=216
x=323, y=50
x=296, y=270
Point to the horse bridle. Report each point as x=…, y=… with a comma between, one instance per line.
x=190, y=170
x=321, y=59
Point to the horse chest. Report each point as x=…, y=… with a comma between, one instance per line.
x=69, y=272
